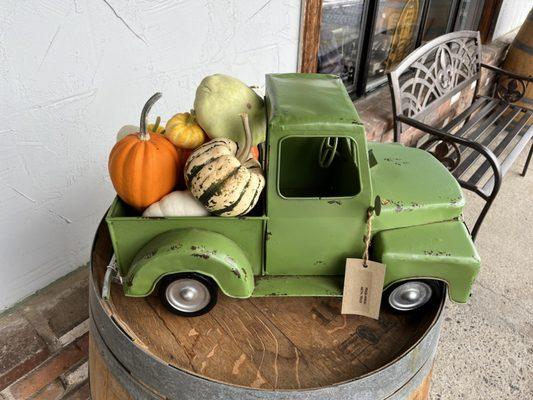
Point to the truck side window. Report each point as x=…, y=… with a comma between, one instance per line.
x=302, y=175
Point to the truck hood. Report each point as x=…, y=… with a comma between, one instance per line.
x=414, y=187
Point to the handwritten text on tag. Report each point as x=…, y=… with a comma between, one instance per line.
x=363, y=287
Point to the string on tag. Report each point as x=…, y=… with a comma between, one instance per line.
x=369, y=216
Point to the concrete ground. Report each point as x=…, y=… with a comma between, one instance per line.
x=486, y=347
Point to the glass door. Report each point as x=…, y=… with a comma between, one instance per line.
x=340, y=37
x=393, y=38
x=437, y=21
x=360, y=40
x=469, y=14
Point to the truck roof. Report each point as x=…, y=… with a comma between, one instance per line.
x=310, y=102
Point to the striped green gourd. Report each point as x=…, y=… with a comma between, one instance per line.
x=225, y=178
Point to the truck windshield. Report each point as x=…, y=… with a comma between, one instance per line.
x=318, y=166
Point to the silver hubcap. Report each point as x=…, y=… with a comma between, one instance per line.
x=410, y=296
x=187, y=295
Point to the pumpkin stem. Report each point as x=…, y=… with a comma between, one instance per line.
x=191, y=119
x=143, y=134
x=156, y=125
x=244, y=153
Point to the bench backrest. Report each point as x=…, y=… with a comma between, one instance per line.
x=434, y=73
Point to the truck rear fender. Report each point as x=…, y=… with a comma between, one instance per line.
x=443, y=251
x=190, y=250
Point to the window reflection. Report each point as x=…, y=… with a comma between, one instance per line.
x=394, y=35
x=469, y=14
x=339, y=38
x=394, y=28
x=437, y=19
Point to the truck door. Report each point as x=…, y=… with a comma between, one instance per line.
x=316, y=204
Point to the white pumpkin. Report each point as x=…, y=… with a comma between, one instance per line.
x=126, y=130
x=130, y=129
x=180, y=203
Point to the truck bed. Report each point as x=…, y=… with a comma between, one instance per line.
x=130, y=232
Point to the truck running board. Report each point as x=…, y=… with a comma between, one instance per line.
x=290, y=285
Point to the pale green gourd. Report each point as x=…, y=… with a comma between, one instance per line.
x=220, y=99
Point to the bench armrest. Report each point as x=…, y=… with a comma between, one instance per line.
x=446, y=137
x=510, y=74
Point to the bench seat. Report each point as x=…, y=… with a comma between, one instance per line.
x=504, y=128
x=479, y=145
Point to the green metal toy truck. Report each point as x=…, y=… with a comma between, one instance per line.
x=322, y=177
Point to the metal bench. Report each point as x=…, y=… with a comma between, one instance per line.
x=480, y=144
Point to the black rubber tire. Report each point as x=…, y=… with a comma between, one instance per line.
x=437, y=288
x=209, y=283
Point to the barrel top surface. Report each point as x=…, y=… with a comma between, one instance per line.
x=265, y=343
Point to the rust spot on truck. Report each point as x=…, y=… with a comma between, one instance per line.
x=396, y=161
x=337, y=202
x=455, y=200
x=400, y=206
x=236, y=272
x=150, y=254
x=437, y=253
x=318, y=262
x=201, y=255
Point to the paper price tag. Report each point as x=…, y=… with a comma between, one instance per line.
x=363, y=287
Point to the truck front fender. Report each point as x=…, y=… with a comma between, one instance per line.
x=190, y=250
x=442, y=251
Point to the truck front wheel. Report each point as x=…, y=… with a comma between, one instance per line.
x=412, y=295
x=189, y=294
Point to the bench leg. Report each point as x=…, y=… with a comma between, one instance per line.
x=524, y=171
x=481, y=217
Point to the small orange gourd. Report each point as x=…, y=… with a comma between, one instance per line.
x=144, y=166
x=183, y=130
x=255, y=152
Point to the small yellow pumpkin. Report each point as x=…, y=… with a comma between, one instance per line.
x=183, y=130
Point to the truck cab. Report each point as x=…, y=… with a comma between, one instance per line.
x=321, y=179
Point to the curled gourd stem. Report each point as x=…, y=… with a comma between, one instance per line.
x=156, y=125
x=244, y=152
x=191, y=119
x=143, y=134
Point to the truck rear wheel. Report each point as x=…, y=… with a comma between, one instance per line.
x=411, y=295
x=189, y=294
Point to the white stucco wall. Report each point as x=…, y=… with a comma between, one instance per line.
x=73, y=72
x=512, y=15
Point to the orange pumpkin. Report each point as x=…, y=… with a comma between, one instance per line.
x=144, y=166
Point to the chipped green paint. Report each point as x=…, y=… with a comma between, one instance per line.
x=435, y=251
x=190, y=250
x=298, y=245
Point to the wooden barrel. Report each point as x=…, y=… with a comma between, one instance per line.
x=519, y=58
x=268, y=348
